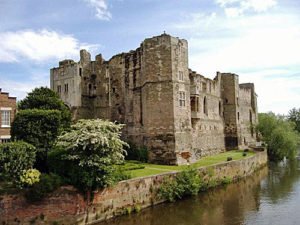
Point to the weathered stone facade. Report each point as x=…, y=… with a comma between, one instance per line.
x=7, y=113
x=177, y=114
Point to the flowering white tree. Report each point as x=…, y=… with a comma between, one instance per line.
x=94, y=146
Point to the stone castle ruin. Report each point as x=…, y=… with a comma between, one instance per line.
x=178, y=114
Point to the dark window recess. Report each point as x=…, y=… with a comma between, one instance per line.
x=80, y=71
x=205, y=111
x=66, y=88
x=114, y=90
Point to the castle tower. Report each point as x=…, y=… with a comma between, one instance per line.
x=230, y=91
x=165, y=97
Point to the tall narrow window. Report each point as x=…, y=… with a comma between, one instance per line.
x=205, y=111
x=66, y=88
x=180, y=76
x=181, y=98
x=80, y=71
x=220, y=109
x=194, y=104
x=5, y=118
x=251, y=123
x=238, y=116
x=58, y=89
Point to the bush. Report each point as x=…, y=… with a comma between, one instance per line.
x=136, y=153
x=73, y=174
x=15, y=157
x=186, y=183
x=30, y=177
x=39, y=128
x=94, y=146
x=46, y=99
x=48, y=183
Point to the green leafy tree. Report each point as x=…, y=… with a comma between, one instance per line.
x=15, y=158
x=294, y=116
x=45, y=98
x=94, y=146
x=39, y=128
x=279, y=135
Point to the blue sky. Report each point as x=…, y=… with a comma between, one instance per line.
x=257, y=39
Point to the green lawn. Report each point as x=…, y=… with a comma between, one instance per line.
x=152, y=169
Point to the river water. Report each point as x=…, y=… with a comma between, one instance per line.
x=270, y=196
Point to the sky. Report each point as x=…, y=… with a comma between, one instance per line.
x=257, y=39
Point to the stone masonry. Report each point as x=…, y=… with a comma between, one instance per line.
x=178, y=114
x=7, y=113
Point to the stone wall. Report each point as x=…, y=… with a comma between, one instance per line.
x=177, y=114
x=66, y=206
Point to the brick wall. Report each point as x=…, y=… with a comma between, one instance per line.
x=66, y=206
x=7, y=103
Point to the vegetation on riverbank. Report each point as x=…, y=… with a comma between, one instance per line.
x=279, y=134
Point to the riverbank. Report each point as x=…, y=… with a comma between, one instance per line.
x=67, y=206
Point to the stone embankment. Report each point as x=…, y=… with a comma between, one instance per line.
x=67, y=206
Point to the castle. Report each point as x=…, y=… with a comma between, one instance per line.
x=178, y=114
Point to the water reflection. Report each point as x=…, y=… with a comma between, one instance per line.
x=270, y=196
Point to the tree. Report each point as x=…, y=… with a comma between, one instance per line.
x=94, y=146
x=15, y=158
x=279, y=135
x=294, y=116
x=45, y=98
x=39, y=128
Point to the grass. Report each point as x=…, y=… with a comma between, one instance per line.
x=153, y=169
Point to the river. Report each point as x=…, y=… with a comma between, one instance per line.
x=271, y=196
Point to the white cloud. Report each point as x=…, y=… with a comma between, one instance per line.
x=20, y=89
x=234, y=8
x=257, y=47
x=277, y=91
x=38, y=46
x=101, y=8
x=233, y=11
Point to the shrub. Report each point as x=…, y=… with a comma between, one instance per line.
x=29, y=177
x=39, y=128
x=136, y=153
x=94, y=147
x=15, y=157
x=47, y=184
x=46, y=99
x=229, y=158
x=186, y=183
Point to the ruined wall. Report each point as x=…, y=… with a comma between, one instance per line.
x=66, y=81
x=207, y=115
x=66, y=206
x=247, y=114
x=230, y=95
x=177, y=114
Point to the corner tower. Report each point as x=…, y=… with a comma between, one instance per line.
x=165, y=102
